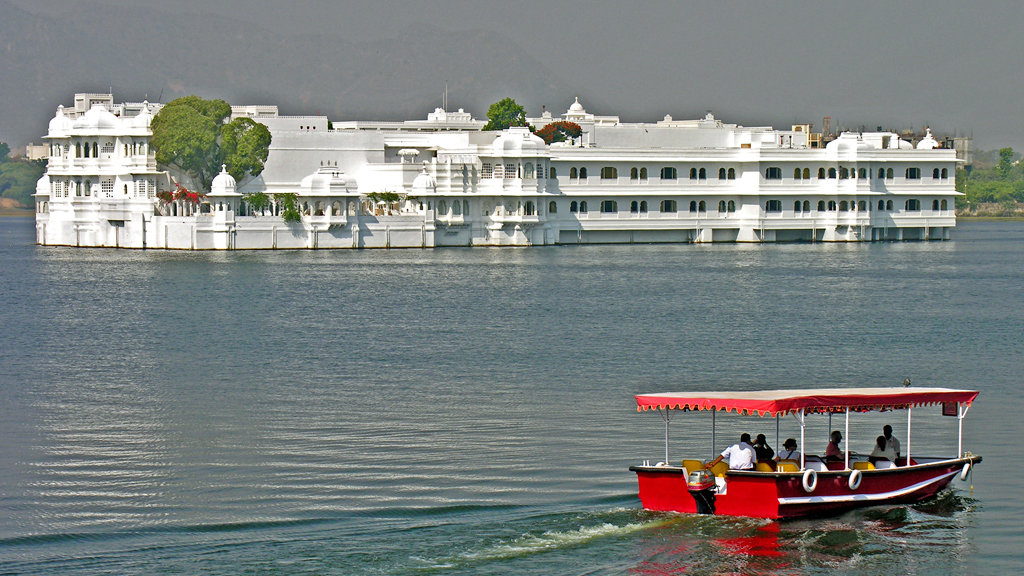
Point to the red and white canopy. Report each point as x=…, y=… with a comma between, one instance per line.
x=782, y=402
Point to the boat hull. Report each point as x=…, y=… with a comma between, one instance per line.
x=781, y=494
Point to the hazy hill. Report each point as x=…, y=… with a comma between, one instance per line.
x=140, y=52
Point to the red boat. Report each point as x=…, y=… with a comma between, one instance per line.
x=809, y=486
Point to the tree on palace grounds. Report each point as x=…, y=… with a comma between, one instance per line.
x=504, y=114
x=18, y=176
x=560, y=131
x=194, y=135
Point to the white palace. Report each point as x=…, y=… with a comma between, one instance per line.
x=670, y=181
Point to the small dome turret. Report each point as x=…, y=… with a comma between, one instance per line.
x=928, y=142
x=60, y=123
x=424, y=183
x=223, y=184
x=518, y=141
x=96, y=119
x=326, y=180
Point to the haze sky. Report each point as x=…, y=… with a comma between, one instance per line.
x=907, y=64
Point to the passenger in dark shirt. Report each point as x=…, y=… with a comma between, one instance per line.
x=763, y=450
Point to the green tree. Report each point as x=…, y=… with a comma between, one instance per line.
x=191, y=133
x=18, y=180
x=1005, y=162
x=560, y=131
x=504, y=114
x=289, y=207
x=5, y=151
x=258, y=201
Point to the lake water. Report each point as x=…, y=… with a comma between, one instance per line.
x=471, y=410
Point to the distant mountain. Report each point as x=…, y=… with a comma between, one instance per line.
x=141, y=53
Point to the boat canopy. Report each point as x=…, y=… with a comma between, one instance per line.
x=823, y=400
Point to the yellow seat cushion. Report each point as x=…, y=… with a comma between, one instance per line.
x=762, y=467
x=787, y=466
x=863, y=466
x=692, y=465
x=720, y=469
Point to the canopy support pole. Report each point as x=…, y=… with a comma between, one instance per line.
x=961, y=412
x=777, y=431
x=803, y=448
x=666, y=418
x=910, y=410
x=846, y=434
x=713, y=433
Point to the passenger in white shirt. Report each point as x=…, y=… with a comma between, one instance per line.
x=741, y=456
x=882, y=451
x=890, y=441
x=789, y=451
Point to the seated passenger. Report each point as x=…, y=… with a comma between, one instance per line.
x=832, y=451
x=882, y=451
x=789, y=451
x=741, y=456
x=764, y=452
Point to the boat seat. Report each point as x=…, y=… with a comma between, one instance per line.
x=863, y=466
x=884, y=464
x=787, y=466
x=763, y=467
x=720, y=469
x=692, y=465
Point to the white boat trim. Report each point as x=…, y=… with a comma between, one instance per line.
x=864, y=497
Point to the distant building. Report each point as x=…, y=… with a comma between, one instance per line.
x=37, y=151
x=673, y=180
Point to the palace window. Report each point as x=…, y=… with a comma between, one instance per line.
x=732, y=206
x=881, y=204
x=668, y=173
x=78, y=188
x=442, y=208
x=702, y=174
x=643, y=205
x=773, y=206
x=821, y=205
x=832, y=173
x=583, y=175
x=634, y=174
x=95, y=150
x=913, y=173
x=862, y=206
x=807, y=173
x=528, y=171
x=465, y=207
x=721, y=205
x=888, y=205
x=935, y=204
x=888, y=174
x=693, y=205
x=807, y=206
x=881, y=173
x=88, y=187
x=609, y=206
x=721, y=173
x=864, y=173
x=796, y=173
x=609, y=173
x=669, y=205
x=78, y=150
x=945, y=173
x=486, y=171
x=701, y=206
x=529, y=209
x=572, y=173
x=844, y=206
x=831, y=205
x=510, y=172
x=583, y=206
x=935, y=173
x=643, y=173
x=773, y=173
x=796, y=206
x=693, y=173
x=573, y=206
x=552, y=207
x=913, y=205
x=732, y=173
x=821, y=173
x=844, y=173
x=634, y=206
x=552, y=173
x=944, y=205
x=107, y=188
x=499, y=172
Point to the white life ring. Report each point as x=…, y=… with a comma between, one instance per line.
x=810, y=480
x=965, y=471
x=854, y=480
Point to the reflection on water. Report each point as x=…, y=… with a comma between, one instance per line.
x=471, y=411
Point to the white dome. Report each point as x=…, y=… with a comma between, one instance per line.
x=847, y=141
x=576, y=106
x=326, y=180
x=144, y=117
x=928, y=142
x=43, y=186
x=60, y=122
x=518, y=141
x=97, y=118
x=223, y=184
x=424, y=183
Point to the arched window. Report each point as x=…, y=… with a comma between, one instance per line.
x=843, y=206
x=465, y=207
x=693, y=173
x=442, y=208
x=670, y=205
x=913, y=173
x=732, y=206
x=807, y=173
x=552, y=207
x=831, y=205
x=913, y=204
x=529, y=208
x=95, y=149
x=643, y=173
x=881, y=203
x=773, y=206
x=945, y=174
x=944, y=205
x=888, y=174
x=796, y=206
x=336, y=208
x=609, y=173
x=126, y=150
x=701, y=206
x=862, y=206
x=732, y=173
x=935, y=204
x=583, y=174
x=821, y=173
x=456, y=208
x=634, y=174
x=634, y=206
x=78, y=188
x=702, y=174
x=552, y=173
x=796, y=173
x=888, y=205
x=721, y=173
x=935, y=173
x=821, y=205
x=643, y=205
x=572, y=173
x=844, y=173
x=807, y=206
x=88, y=187
x=693, y=205
x=573, y=206
x=881, y=173
x=863, y=173
x=721, y=205
x=832, y=173
x=583, y=206
x=609, y=206
x=528, y=171
x=773, y=173
x=78, y=150
x=668, y=173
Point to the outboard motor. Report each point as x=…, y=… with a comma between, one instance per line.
x=701, y=484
